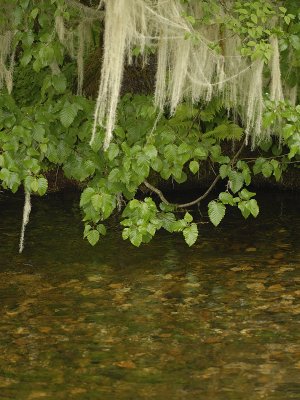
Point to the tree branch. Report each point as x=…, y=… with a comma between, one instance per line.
x=198, y=199
x=158, y=192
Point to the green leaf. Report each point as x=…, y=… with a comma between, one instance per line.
x=244, y=209
x=216, y=212
x=157, y=164
x=112, y=151
x=276, y=150
x=236, y=181
x=86, y=196
x=93, y=237
x=295, y=41
x=277, y=169
x=170, y=152
x=125, y=233
x=34, y=13
x=101, y=229
x=215, y=152
x=135, y=237
x=68, y=114
x=39, y=133
x=187, y=217
x=194, y=166
x=34, y=185
x=246, y=195
x=288, y=131
x=267, y=169
x=42, y=186
x=257, y=168
x=87, y=228
x=150, y=151
x=265, y=145
x=224, y=170
x=200, y=152
x=247, y=175
x=59, y=83
x=96, y=200
x=184, y=148
x=253, y=207
x=190, y=234
x=226, y=198
x=26, y=58
x=283, y=9
x=254, y=18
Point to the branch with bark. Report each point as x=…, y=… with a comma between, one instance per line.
x=200, y=198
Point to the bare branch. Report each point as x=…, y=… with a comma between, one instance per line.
x=158, y=192
x=203, y=196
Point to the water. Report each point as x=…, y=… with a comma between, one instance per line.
x=215, y=322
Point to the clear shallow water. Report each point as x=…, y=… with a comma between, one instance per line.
x=215, y=322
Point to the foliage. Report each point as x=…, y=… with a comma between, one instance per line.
x=45, y=126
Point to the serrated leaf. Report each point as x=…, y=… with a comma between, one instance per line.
x=96, y=200
x=236, y=181
x=150, y=151
x=244, y=209
x=216, y=212
x=190, y=234
x=254, y=18
x=226, y=198
x=224, y=170
x=93, y=237
x=265, y=145
x=38, y=133
x=114, y=175
x=68, y=114
x=253, y=207
x=288, y=130
x=200, y=152
x=112, y=151
x=86, y=196
x=87, y=228
x=267, y=169
x=257, y=167
x=27, y=56
x=194, y=166
x=42, y=186
x=184, y=148
x=187, y=217
x=125, y=233
x=34, y=185
x=101, y=229
x=246, y=195
x=136, y=238
x=247, y=176
x=157, y=164
x=170, y=152
x=295, y=41
x=59, y=83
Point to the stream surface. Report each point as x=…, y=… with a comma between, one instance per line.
x=216, y=321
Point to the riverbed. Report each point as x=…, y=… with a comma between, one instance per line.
x=216, y=321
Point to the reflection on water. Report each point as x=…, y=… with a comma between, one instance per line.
x=218, y=321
